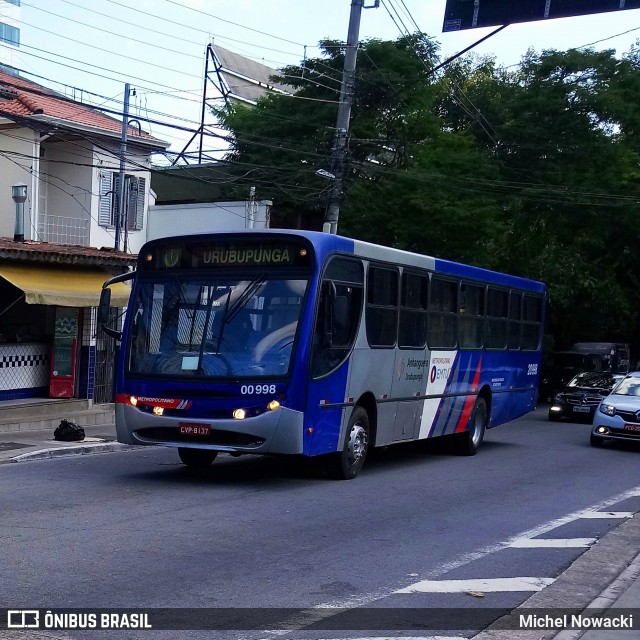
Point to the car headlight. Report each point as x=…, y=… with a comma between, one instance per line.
x=608, y=409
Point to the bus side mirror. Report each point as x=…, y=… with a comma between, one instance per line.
x=104, y=306
x=103, y=314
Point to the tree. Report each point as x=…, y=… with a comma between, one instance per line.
x=562, y=128
x=532, y=170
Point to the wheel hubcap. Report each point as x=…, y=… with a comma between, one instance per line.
x=477, y=427
x=357, y=443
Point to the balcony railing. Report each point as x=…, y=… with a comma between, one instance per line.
x=65, y=230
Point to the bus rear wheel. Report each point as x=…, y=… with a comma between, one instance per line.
x=196, y=458
x=346, y=464
x=468, y=443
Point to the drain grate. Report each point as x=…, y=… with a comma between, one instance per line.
x=8, y=446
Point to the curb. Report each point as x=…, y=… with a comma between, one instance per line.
x=80, y=450
x=605, y=569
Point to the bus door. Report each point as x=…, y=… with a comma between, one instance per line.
x=407, y=378
x=411, y=362
x=336, y=327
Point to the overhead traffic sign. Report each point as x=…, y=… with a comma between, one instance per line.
x=469, y=14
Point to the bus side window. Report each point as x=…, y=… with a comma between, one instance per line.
x=338, y=316
x=443, y=306
x=495, y=336
x=531, y=322
x=515, y=306
x=414, y=297
x=471, y=316
x=382, y=307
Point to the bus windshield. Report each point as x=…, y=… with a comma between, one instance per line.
x=187, y=325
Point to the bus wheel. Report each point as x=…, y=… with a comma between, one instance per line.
x=468, y=443
x=196, y=458
x=346, y=464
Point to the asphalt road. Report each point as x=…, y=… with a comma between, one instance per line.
x=418, y=528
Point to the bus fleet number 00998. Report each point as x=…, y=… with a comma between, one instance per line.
x=249, y=389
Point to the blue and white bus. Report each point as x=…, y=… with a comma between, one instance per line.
x=306, y=343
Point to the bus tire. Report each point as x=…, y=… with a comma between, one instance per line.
x=196, y=458
x=468, y=443
x=346, y=464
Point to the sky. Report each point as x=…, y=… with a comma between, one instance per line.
x=158, y=46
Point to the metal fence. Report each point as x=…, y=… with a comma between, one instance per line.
x=106, y=350
x=65, y=230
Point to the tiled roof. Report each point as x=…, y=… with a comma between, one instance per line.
x=26, y=99
x=33, y=251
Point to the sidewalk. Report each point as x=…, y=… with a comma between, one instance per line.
x=605, y=578
x=27, y=428
x=23, y=446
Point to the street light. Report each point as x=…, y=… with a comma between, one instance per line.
x=19, y=195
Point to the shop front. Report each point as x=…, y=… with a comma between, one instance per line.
x=47, y=329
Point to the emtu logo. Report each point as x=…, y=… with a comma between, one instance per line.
x=23, y=619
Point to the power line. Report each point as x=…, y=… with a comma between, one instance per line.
x=172, y=36
x=235, y=24
x=116, y=53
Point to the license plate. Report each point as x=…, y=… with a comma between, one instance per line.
x=193, y=429
x=632, y=427
x=581, y=409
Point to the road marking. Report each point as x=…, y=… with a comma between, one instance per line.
x=400, y=638
x=365, y=599
x=552, y=543
x=605, y=514
x=478, y=584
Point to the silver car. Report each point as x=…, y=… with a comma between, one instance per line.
x=618, y=415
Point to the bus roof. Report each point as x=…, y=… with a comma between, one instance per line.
x=328, y=243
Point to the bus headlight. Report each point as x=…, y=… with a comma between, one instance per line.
x=274, y=405
x=239, y=414
x=133, y=401
x=158, y=411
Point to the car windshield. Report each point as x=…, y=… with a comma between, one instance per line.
x=597, y=380
x=629, y=386
x=199, y=328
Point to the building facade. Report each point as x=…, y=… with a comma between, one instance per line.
x=9, y=32
x=58, y=241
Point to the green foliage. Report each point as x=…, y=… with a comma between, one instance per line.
x=532, y=170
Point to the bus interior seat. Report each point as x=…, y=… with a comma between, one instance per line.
x=273, y=338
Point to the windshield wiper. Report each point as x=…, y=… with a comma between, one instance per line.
x=240, y=302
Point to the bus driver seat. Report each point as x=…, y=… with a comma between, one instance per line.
x=282, y=335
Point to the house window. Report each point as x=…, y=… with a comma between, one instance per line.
x=9, y=34
x=134, y=200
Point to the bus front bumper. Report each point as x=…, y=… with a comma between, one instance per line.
x=277, y=432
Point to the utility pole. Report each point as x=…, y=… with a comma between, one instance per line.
x=121, y=222
x=339, y=153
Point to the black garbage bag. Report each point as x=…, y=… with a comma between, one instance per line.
x=68, y=431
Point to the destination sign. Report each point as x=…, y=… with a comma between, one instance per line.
x=235, y=253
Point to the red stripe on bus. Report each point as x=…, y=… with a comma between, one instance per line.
x=469, y=402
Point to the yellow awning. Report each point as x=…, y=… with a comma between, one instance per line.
x=64, y=287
